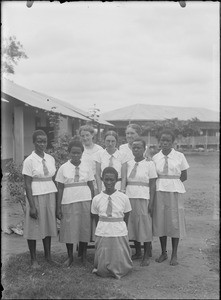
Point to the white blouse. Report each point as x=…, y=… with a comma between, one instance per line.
x=120, y=205
x=89, y=156
x=103, y=157
x=176, y=163
x=125, y=150
x=66, y=174
x=146, y=170
x=33, y=167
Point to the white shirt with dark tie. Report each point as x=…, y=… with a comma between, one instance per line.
x=145, y=171
x=176, y=163
x=66, y=174
x=33, y=167
x=120, y=205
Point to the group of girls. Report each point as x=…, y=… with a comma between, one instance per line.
x=109, y=196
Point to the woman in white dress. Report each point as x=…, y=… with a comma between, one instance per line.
x=87, y=133
x=133, y=131
x=110, y=157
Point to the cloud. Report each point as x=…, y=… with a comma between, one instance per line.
x=116, y=54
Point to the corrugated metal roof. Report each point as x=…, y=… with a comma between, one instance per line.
x=75, y=109
x=46, y=102
x=158, y=112
x=38, y=100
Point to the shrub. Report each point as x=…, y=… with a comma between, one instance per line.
x=15, y=183
x=60, y=149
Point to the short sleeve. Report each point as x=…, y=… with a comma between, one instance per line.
x=90, y=173
x=152, y=170
x=27, y=167
x=124, y=156
x=59, y=176
x=97, y=156
x=94, y=209
x=127, y=204
x=53, y=160
x=184, y=163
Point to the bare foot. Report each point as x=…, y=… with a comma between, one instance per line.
x=145, y=262
x=173, y=261
x=161, y=258
x=136, y=256
x=68, y=262
x=48, y=259
x=52, y=262
x=35, y=265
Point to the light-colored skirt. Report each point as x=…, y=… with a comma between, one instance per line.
x=112, y=256
x=140, y=221
x=45, y=225
x=75, y=224
x=168, y=215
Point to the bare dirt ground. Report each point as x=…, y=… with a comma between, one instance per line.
x=196, y=276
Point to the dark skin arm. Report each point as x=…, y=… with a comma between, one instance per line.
x=123, y=176
x=183, y=176
x=60, y=187
x=28, y=189
x=126, y=217
x=96, y=218
x=152, y=184
x=91, y=186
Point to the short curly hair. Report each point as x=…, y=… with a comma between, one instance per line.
x=139, y=139
x=110, y=170
x=75, y=143
x=169, y=132
x=36, y=133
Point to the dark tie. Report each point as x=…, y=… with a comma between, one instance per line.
x=165, y=167
x=109, y=207
x=45, y=169
x=76, y=176
x=111, y=161
x=134, y=171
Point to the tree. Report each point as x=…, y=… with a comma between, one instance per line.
x=94, y=113
x=12, y=52
x=179, y=127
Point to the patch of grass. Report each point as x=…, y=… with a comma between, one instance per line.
x=212, y=252
x=20, y=281
x=202, y=184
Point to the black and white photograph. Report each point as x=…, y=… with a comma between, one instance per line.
x=110, y=143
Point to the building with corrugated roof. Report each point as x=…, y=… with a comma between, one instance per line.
x=144, y=114
x=24, y=110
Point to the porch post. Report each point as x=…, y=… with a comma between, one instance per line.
x=206, y=142
x=148, y=137
x=18, y=134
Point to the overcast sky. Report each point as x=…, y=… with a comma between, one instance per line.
x=115, y=54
